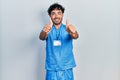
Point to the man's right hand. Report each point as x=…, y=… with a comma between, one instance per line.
x=43, y=35
x=48, y=27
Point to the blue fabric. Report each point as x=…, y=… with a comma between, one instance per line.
x=59, y=57
x=59, y=75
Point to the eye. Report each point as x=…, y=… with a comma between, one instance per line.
x=52, y=13
x=59, y=12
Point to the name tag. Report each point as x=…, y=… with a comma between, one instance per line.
x=57, y=43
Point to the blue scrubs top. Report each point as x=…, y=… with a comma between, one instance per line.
x=59, y=57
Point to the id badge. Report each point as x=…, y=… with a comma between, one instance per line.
x=57, y=43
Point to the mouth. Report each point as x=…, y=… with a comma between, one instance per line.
x=57, y=19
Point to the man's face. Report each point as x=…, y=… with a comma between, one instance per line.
x=56, y=16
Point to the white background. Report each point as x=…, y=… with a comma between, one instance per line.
x=97, y=51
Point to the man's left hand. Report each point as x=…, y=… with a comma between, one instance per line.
x=70, y=28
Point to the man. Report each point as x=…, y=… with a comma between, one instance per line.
x=59, y=55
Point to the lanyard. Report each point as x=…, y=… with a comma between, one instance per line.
x=58, y=34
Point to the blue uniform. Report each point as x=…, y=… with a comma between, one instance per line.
x=60, y=75
x=59, y=50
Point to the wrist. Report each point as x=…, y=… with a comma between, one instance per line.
x=74, y=35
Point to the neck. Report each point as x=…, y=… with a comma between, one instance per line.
x=57, y=26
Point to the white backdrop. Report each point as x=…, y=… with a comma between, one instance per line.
x=97, y=51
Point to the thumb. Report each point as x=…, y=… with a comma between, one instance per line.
x=50, y=23
x=67, y=24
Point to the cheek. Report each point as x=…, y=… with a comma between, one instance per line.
x=52, y=17
x=61, y=16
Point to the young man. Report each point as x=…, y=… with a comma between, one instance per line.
x=59, y=48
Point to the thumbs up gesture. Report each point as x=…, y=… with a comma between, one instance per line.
x=48, y=27
x=70, y=28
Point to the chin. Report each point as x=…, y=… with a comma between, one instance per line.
x=57, y=23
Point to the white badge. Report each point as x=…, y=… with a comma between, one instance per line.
x=57, y=43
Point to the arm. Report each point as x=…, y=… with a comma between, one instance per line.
x=71, y=30
x=43, y=35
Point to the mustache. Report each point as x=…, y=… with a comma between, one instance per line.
x=56, y=18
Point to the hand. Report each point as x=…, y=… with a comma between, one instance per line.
x=48, y=27
x=70, y=28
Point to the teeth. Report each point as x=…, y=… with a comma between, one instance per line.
x=57, y=19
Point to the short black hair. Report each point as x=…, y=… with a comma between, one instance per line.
x=55, y=6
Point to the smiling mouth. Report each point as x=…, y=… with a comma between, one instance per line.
x=56, y=19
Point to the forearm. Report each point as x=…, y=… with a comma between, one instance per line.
x=43, y=35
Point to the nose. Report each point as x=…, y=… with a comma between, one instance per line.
x=56, y=15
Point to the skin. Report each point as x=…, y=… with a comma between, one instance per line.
x=56, y=20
